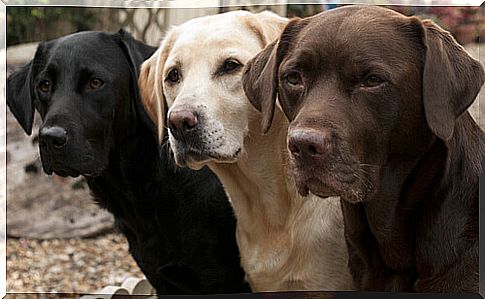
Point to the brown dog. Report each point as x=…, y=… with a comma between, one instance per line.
x=377, y=103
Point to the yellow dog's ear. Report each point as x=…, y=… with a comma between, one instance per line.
x=267, y=26
x=150, y=83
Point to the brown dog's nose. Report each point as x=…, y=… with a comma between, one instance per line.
x=181, y=122
x=309, y=143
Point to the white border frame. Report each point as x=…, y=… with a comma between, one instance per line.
x=141, y=4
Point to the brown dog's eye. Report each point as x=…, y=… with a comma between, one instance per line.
x=45, y=86
x=372, y=81
x=95, y=83
x=173, y=76
x=293, y=79
x=230, y=65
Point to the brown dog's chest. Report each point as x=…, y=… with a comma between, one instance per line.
x=382, y=256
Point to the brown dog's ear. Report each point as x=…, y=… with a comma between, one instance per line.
x=260, y=83
x=451, y=80
x=150, y=83
x=260, y=77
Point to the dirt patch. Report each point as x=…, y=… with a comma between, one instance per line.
x=68, y=265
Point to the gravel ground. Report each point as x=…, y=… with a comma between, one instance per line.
x=68, y=265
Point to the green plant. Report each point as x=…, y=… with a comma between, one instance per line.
x=31, y=23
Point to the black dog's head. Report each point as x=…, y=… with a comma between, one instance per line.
x=361, y=86
x=83, y=86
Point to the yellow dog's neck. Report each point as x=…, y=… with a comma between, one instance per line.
x=261, y=192
x=282, y=236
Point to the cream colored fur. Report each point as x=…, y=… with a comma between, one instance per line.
x=286, y=242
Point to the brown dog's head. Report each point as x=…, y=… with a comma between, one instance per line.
x=362, y=86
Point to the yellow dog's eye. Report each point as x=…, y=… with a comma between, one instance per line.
x=372, y=81
x=173, y=76
x=231, y=65
x=44, y=86
x=95, y=83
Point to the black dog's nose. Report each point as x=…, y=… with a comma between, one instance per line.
x=181, y=122
x=55, y=137
x=309, y=143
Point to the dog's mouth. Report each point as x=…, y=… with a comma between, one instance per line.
x=197, y=152
x=348, y=183
x=66, y=171
x=325, y=185
x=316, y=187
x=68, y=167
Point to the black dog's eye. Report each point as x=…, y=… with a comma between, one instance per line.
x=293, y=79
x=95, y=83
x=44, y=86
x=372, y=81
x=230, y=65
x=173, y=76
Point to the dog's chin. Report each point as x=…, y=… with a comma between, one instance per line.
x=320, y=189
x=61, y=172
x=198, y=159
x=193, y=161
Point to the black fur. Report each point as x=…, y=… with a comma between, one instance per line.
x=178, y=222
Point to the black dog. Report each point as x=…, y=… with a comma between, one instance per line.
x=377, y=103
x=179, y=223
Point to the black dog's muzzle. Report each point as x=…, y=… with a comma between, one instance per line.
x=54, y=137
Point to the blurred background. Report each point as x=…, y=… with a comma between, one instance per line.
x=31, y=24
x=58, y=239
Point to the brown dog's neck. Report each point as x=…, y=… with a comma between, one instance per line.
x=446, y=173
x=466, y=149
x=437, y=161
x=455, y=161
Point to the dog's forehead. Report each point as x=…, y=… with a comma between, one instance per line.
x=221, y=26
x=357, y=34
x=93, y=46
x=213, y=36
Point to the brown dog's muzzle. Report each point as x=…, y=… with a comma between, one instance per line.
x=308, y=145
x=325, y=164
x=311, y=151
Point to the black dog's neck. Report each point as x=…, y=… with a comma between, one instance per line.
x=134, y=171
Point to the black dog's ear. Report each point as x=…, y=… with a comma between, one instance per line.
x=260, y=77
x=20, y=97
x=136, y=53
x=20, y=88
x=451, y=80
